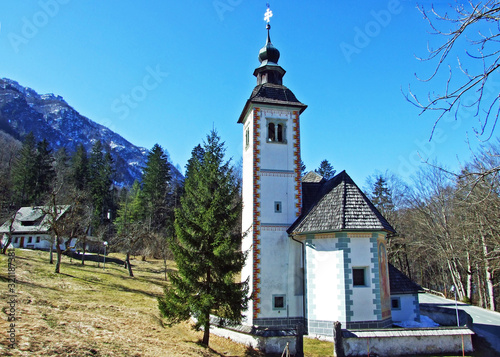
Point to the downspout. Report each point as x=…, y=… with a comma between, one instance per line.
x=303, y=278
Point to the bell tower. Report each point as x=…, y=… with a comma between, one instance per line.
x=272, y=196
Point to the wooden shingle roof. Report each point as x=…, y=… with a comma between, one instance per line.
x=273, y=94
x=337, y=205
x=400, y=283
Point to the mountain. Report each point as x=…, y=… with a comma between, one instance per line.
x=50, y=117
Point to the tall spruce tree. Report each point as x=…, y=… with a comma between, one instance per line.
x=24, y=172
x=44, y=171
x=80, y=168
x=156, y=188
x=100, y=181
x=206, y=247
x=130, y=223
x=325, y=169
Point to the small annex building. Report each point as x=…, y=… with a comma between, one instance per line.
x=30, y=228
x=317, y=249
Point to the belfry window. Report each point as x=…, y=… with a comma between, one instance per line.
x=276, y=131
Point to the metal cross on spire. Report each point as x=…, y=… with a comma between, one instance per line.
x=268, y=14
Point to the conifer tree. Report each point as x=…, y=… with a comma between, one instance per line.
x=381, y=197
x=100, y=180
x=156, y=188
x=24, y=172
x=130, y=223
x=44, y=171
x=206, y=247
x=80, y=168
x=326, y=170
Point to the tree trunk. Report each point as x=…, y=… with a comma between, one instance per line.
x=58, y=261
x=129, y=267
x=469, y=276
x=480, y=287
x=490, y=299
x=52, y=252
x=6, y=246
x=84, y=250
x=206, y=332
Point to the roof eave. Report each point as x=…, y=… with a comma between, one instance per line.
x=301, y=107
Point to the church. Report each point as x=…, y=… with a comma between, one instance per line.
x=317, y=248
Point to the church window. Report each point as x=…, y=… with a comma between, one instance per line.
x=280, y=133
x=247, y=138
x=396, y=303
x=359, y=276
x=279, y=302
x=276, y=131
x=271, y=132
x=277, y=207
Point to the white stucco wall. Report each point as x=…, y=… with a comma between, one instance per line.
x=406, y=312
x=279, y=256
x=362, y=296
x=325, y=281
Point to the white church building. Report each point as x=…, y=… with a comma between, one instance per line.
x=317, y=248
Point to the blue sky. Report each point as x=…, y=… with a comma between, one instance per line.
x=168, y=72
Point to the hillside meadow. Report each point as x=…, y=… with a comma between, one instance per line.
x=88, y=311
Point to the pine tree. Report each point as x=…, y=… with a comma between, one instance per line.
x=44, y=171
x=100, y=181
x=381, y=197
x=156, y=188
x=326, y=170
x=130, y=223
x=80, y=168
x=24, y=172
x=206, y=247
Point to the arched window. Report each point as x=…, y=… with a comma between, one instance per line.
x=271, y=134
x=276, y=131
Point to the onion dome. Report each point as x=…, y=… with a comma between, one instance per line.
x=269, y=54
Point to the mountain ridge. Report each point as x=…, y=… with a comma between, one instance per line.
x=49, y=116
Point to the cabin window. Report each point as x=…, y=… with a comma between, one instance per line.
x=277, y=207
x=38, y=239
x=276, y=131
x=359, y=277
x=396, y=303
x=30, y=240
x=16, y=240
x=279, y=302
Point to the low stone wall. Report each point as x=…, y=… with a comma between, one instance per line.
x=268, y=340
x=400, y=342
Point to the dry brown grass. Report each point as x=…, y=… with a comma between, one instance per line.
x=85, y=311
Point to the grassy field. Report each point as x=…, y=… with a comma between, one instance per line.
x=85, y=311
x=88, y=311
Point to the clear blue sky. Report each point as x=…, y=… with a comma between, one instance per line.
x=167, y=72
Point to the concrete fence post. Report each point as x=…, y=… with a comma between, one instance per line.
x=338, y=344
x=299, y=343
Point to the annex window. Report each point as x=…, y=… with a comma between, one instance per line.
x=277, y=207
x=359, y=277
x=276, y=131
x=396, y=303
x=279, y=302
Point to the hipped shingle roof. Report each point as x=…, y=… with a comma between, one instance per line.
x=337, y=205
